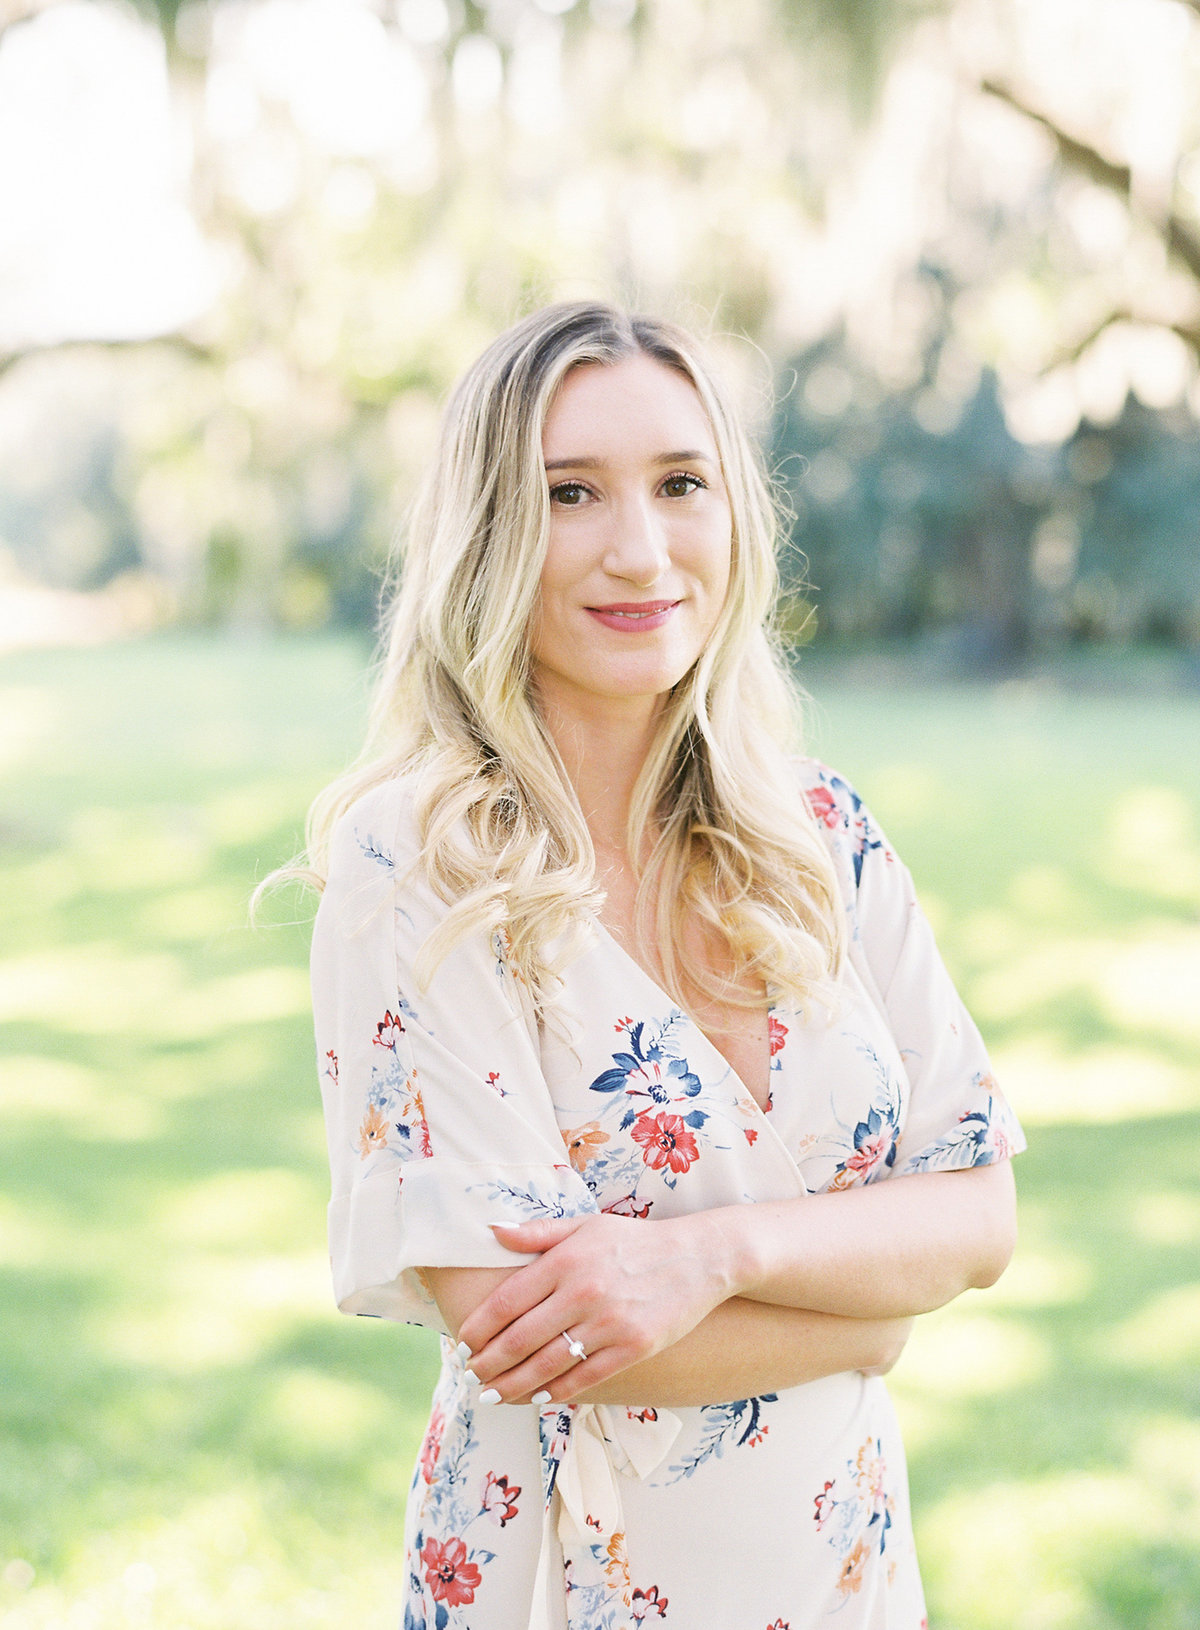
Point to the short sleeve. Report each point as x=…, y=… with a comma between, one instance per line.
x=957, y=1115
x=437, y=1113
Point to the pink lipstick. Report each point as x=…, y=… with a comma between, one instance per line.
x=634, y=616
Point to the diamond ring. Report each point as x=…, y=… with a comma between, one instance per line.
x=575, y=1348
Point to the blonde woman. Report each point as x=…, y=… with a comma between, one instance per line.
x=644, y=1082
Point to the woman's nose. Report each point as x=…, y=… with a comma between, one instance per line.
x=637, y=548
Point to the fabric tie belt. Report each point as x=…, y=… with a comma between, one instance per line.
x=586, y=1450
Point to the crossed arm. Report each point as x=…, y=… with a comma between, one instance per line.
x=731, y=1302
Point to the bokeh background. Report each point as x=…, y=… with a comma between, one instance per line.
x=949, y=252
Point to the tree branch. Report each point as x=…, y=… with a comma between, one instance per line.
x=1181, y=239
x=174, y=342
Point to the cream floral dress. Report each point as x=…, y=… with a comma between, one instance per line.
x=448, y=1110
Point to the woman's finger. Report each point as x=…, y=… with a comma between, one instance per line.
x=553, y=1374
x=538, y=1235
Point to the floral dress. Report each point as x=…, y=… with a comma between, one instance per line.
x=448, y=1109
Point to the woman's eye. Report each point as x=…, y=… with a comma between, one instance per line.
x=568, y=493
x=680, y=486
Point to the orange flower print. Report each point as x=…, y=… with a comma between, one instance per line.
x=372, y=1134
x=854, y=1567
x=617, y=1567
x=583, y=1141
x=448, y=1574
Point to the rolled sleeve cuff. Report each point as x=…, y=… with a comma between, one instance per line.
x=436, y=1214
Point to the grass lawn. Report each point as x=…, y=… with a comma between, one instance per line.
x=195, y=1440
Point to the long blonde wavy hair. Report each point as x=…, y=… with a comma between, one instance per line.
x=716, y=809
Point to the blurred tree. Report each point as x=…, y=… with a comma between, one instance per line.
x=989, y=212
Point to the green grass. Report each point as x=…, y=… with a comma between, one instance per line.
x=194, y=1439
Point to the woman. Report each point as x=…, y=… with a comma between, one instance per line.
x=644, y=1083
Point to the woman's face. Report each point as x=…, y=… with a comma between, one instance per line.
x=638, y=561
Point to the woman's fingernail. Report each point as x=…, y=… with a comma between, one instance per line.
x=542, y=1397
x=469, y=1375
x=491, y=1396
x=462, y=1352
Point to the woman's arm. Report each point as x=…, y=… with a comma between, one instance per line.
x=632, y=1290
x=739, y=1350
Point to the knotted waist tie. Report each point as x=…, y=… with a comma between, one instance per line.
x=586, y=1450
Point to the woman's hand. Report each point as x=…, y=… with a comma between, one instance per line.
x=623, y=1289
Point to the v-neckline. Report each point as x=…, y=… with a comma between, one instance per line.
x=649, y=979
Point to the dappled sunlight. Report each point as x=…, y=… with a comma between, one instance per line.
x=1152, y=843
x=213, y=1562
x=1035, y=1279
x=103, y=989
x=1167, y=1218
x=250, y=812
x=1155, y=985
x=57, y=1096
x=312, y=1411
x=1040, y=1553
x=1144, y=980
x=226, y=1210
x=194, y=1431
x=255, y=997
x=95, y=989
x=1163, y=1334
x=27, y=716
x=967, y=1352
x=1049, y=1084
x=208, y=1312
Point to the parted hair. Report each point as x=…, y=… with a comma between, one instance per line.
x=716, y=813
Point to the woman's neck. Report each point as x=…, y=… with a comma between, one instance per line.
x=603, y=752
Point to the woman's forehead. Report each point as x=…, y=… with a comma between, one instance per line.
x=635, y=403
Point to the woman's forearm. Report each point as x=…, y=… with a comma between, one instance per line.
x=631, y=1292
x=887, y=1250
x=743, y=1349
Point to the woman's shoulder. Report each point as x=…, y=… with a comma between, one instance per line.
x=378, y=829
x=838, y=809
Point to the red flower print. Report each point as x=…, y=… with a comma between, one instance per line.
x=824, y=807
x=646, y=1602
x=332, y=1068
x=751, y=1134
x=493, y=1081
x=448, y=1573
x=431, y=1448
x=824, y=1504
x=780, y=1624
x=642, y=1414
x=777, y=1033
x=386, y=1031
x=665, y=1141
x=499, y=1500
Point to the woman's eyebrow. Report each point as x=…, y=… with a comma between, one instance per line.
x=688, y=455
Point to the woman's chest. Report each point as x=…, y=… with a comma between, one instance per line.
x=657, y=1122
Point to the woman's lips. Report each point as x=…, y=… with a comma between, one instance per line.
x=634, y=616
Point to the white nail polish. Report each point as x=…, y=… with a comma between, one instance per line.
x=542, y=1397
x=462, y=1352
x=469, y=1375
x=491, y=1396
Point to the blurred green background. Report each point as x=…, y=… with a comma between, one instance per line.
x=949, y=253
